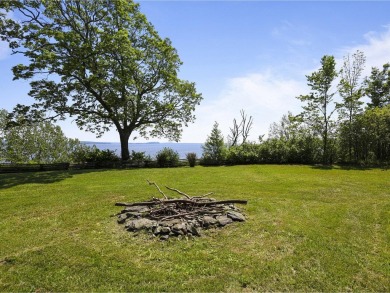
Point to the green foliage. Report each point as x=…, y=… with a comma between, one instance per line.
x=40, y=143
x=317, y=111
x=351, y=91
x=3, y=124
x=191, y=158
x=139, y=158
x=248, y=153
x=350, y=87
x=299, y=150
x=104, y=64
x=214, y=149
x=377, y=86
x=93, y=154
x=371, y=137
x=167, y=157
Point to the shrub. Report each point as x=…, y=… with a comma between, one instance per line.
x=248, y=153
x=214, y=149
x=140, y=159
x=137, y=156
x=93, y=154
x=191, y=158
x=167, y=157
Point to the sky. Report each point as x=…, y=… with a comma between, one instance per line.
x=245, y=55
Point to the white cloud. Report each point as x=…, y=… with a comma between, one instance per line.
x=376, y=49
x=265, y=96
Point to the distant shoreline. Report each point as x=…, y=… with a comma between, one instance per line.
x=151, y=148
x=151, y=142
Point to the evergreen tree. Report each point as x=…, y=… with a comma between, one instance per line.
x=214, y=149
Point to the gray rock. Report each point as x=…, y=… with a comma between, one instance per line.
x=236, y=216
x=179, y=229
x=171, y=223
x=193, y=230
x=164, y=237
x=122, y=218
x=157, y=230
x=165, y=230
x=224, y=220
x=139, y=224
x=134, y=214
x=138, y=209
x=208, y=221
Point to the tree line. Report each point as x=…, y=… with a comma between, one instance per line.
x=346, y=131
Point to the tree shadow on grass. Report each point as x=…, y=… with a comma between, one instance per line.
x=341, y=167
x=8, y=180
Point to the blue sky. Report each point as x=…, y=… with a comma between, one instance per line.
x=250, y=55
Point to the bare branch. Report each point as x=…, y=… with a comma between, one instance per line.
x=178, y=191
x=158, y=188
x=204, y=195
x=246, y=126
x=185, y=201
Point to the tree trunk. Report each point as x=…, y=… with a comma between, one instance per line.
x=350, y=135
x=124, y=137
x=325, y=158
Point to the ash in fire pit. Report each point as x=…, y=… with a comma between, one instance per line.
x=188, y=215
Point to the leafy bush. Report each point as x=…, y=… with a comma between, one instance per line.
x=248, y=153
x=93, y=154
x=299, y=150
x=137, y=156
x=140, y=159
x=167, y=157
x=191, y=158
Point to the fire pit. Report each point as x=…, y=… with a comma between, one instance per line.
x=173, y=217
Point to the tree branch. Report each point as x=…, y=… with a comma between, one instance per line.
x=158, y=188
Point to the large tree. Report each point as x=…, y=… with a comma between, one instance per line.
x=102, y=63
x=351, y=91
x=318, y=110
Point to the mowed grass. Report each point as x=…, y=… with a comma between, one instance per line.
x=308, y=229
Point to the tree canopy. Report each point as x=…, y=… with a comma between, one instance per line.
x=102, y=63
x=39, y=142
x=318, y=112
x=378, y=86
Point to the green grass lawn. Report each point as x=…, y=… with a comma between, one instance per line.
x=308, y=229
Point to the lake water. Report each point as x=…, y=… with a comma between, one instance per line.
x=151, y=148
